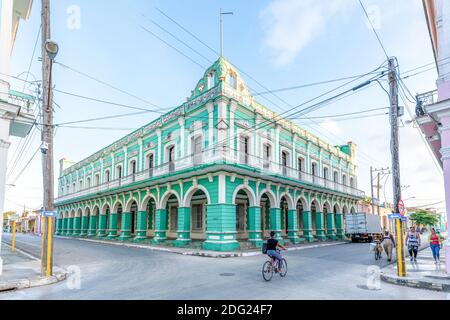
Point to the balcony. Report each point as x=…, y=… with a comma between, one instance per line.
x=425, y=99
x=222, y=157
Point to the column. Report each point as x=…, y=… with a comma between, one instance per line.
x=76, y=226
x=340, y=226
x=159, y=133
x=84, y=225
x=181, y=122
x=112, y=173
x=160, y=226
x=69, y=226
x=210, y=107
x=125, y=162
x=125, y=231
x=293, y=226
x=221, y=227
x=141, y=159
x=92, y=226
x=275, y=222
x=254, y=226
x=307, y=226
x=101, y=226
x=331, y=233
x=184, y=227
x=141, y=226
x=277, y=147
x=58, y=226
x=231, y=133
x=63, y=227
x=112, y=232
x=320, y=232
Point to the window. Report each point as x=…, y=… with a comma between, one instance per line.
x=232, y=80
x=119, y=172
x=352, y=182
x=133, y=168
x=335, y=177
x=107, y=176
x=325, y=173
x=344, y=179
x=197, y=217
x=74, y=187
x=97, y=179
x=211, y=81
x=80, y=185
x=240, y=217
x=171, y=157
x=300, y=167
x=314, y=171
x=150, y=164
x=266, y=155
x=173, y=217
x=284, y=161
x=68, y=188
x=244, y=149
x=88, y=182
x=197, y=149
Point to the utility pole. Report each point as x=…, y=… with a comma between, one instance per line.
x=393, y=98
x=47, y=145
x=378, y=193
x=371, y=189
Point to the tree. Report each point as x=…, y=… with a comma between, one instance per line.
x=424, y=217
x=7, y=215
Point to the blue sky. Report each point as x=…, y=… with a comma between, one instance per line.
x=280, y=43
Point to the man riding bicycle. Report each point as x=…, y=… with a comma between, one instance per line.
x=272, y=245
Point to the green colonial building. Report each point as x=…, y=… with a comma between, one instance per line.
x=221, y=170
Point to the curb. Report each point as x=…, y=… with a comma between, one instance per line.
x=414, y=283
x=199, y=253
x=30, y=283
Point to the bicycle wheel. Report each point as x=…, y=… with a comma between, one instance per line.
x=267, y=271
x=283, y=269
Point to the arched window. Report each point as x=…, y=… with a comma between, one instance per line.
x=284, y=161
x=119, y=172
x=314, y=171
x=244, y=149
x=232, y=81
x=88, y=182
x=267, y=150
x=132, y=168
x=196, y=146
x=171, y=158
x=335, y=177
x=97, y=179
x=74, y=187
x=80, y=185
x=107, y=176
x=300, y=167
x=344, y=179
x=352, y=182
x=211, y=80
x=150, y=164
x=325, y=173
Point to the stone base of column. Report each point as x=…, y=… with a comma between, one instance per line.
x=124, y=236
x=340, y=235
x=91, y=233
x=331, y=235
x=112, y=235
x=160, y=237
x=307, y=236
x=254, y=237
x=320, y=235
x=215, y=245
x=101, y=234
x=141, y=235
x=83, y=234
x=57, y=233
x=183, y=240
x=293, y=236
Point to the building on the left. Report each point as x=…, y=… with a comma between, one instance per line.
x=16, y=107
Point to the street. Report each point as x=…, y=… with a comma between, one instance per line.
x=116, y=272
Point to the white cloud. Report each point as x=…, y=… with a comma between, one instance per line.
x=290, y=25
x=331, y=126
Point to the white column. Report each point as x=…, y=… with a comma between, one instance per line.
x=277, y=146
x=112, y=174
x=6, y=15
x=308, y=158
x=158, y=132
x=4, y=146
x=210, y=107
x=102, y=173
x=182, y=122
x=125, y=165
x=232, y=135
x=141, y=160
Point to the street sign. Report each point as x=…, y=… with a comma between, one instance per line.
x=49, y=213
x=14, y=217
x=401, y=207
x=395, y=216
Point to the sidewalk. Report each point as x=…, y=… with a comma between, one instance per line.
x=21, y=270
x=201, y=252
x=423, y=274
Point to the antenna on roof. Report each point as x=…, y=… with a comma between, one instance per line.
x=221, y=30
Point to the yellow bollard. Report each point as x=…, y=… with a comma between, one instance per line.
x=49, y=246
x=13, y=241
x=401, y=265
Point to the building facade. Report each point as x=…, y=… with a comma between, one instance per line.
x=16, y=107
x=220, y=169
x=433, y=108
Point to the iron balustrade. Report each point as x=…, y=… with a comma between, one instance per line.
x=222, y=156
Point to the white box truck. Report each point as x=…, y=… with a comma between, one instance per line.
x=362, y=226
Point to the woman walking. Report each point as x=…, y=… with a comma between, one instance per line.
x=413, y=243
x=435, y=241
x=388, y=244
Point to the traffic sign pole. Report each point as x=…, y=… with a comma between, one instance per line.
x=49, y=270
x=13, y=241
x=401, y=266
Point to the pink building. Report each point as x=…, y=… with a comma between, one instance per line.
x=433, y=108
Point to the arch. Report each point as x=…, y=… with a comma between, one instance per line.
x=316, y=203
x=272, y=198
x=289, y=200
x=250, y=194
x=147, y=198
x=129, y=203
x=116, y=206
x=95, y=210
x=305, y=203
x=191, y=191
x=345, y=209
x=352, y=209
x=336, y=208
x=166, y=196
x=327, y=205
x=66, y=214
x=85, y=211
x=79, y=212
x=72, y=214
x=104, y=208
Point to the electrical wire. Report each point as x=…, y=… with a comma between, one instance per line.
x=374, y=31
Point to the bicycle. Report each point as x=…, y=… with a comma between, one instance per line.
x=270, y=266
x=378, y=250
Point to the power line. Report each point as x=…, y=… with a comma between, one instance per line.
x=373, y=28
x=32, y=56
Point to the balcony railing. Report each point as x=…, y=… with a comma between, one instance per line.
x=223, y=156
x=23, y=100
x=425, y=99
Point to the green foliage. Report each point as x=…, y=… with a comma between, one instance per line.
x=424, y=217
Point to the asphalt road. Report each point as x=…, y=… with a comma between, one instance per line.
x=116, y=272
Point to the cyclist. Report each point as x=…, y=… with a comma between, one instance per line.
x=272, y=245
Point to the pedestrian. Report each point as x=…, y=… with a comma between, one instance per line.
x=388, y=244
x=435, y=241
x=413, y=243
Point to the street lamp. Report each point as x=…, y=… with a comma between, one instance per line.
x=52, y=49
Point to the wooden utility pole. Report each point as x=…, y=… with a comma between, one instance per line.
x=47, y=145
x=371, y=189
x=378, y=193
x=393, y=97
